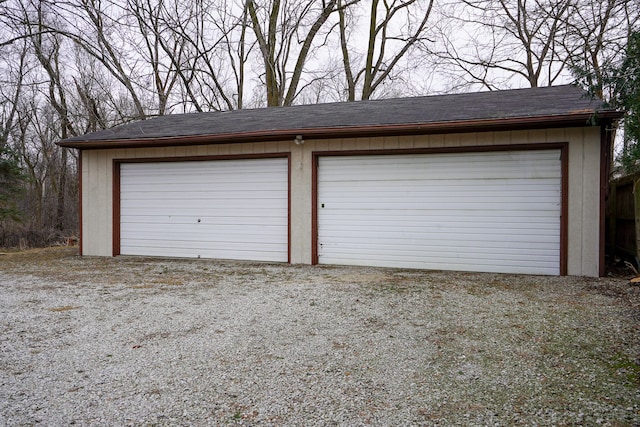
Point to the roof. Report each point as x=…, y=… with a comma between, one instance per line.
x=494, y=110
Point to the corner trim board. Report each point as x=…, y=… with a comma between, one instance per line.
x=116, y=208
x=80, y=222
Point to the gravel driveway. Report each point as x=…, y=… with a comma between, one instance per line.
x=132, y=341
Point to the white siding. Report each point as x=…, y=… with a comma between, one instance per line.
x=234, y=209
x=492, y=211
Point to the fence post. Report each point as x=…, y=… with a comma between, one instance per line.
x=613, y=217
x=636, y=211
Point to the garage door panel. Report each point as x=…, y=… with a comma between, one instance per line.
x=464, y=188
x=414, y=215
x=342, y=194
x=446, y=204
x=148, y=220
x=198, y=187
x=198, y=246
x=444, y=211
x=436, y=262
x=466, y=258
x=450, y=196
x=444, y=237
x=215, y=253
x=340, y=228
x=187, y=231
x=498, y=248
x=246, y=198
x=445, y=175
x=502, y=159
x=482, y=198
x=233, y=171
x=203, y=206
x=448, y=233
x=482, y=166
x=437, y=218
x=194, y=213
x=273, y=234
x=233, y=209
x=511, y=184
x=175, y=168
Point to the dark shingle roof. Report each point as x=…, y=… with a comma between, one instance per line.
x=558, y=105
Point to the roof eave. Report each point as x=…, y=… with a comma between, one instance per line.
x=585, y=118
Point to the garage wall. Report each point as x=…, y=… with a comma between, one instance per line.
x=584, y=164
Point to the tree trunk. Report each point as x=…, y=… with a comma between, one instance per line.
x=368, y=68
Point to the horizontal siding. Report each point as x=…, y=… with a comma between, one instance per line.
x=232, y=209
x=494, y=211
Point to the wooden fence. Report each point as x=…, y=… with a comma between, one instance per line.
x=621, y=217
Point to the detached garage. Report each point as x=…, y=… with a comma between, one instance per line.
x=509, y=182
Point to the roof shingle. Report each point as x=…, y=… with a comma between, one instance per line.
x=420, y=114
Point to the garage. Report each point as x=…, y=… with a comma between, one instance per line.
x=488, y=211
x=498, y=181
x=228, y=209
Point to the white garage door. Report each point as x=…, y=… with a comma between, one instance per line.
x=489, y=211
x=233, y=209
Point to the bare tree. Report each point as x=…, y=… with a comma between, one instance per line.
x=9, y=101
x=217, y=54
x=104, y=49
x=285, y=32
x=238, y=49
x=491, y=42
x=11, y=89
x=394, y=28
x=46, y=48
x=39, y=85
x=159, y=46
x=76, y=66
x=597, y=36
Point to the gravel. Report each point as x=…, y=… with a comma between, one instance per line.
x=135, y=341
